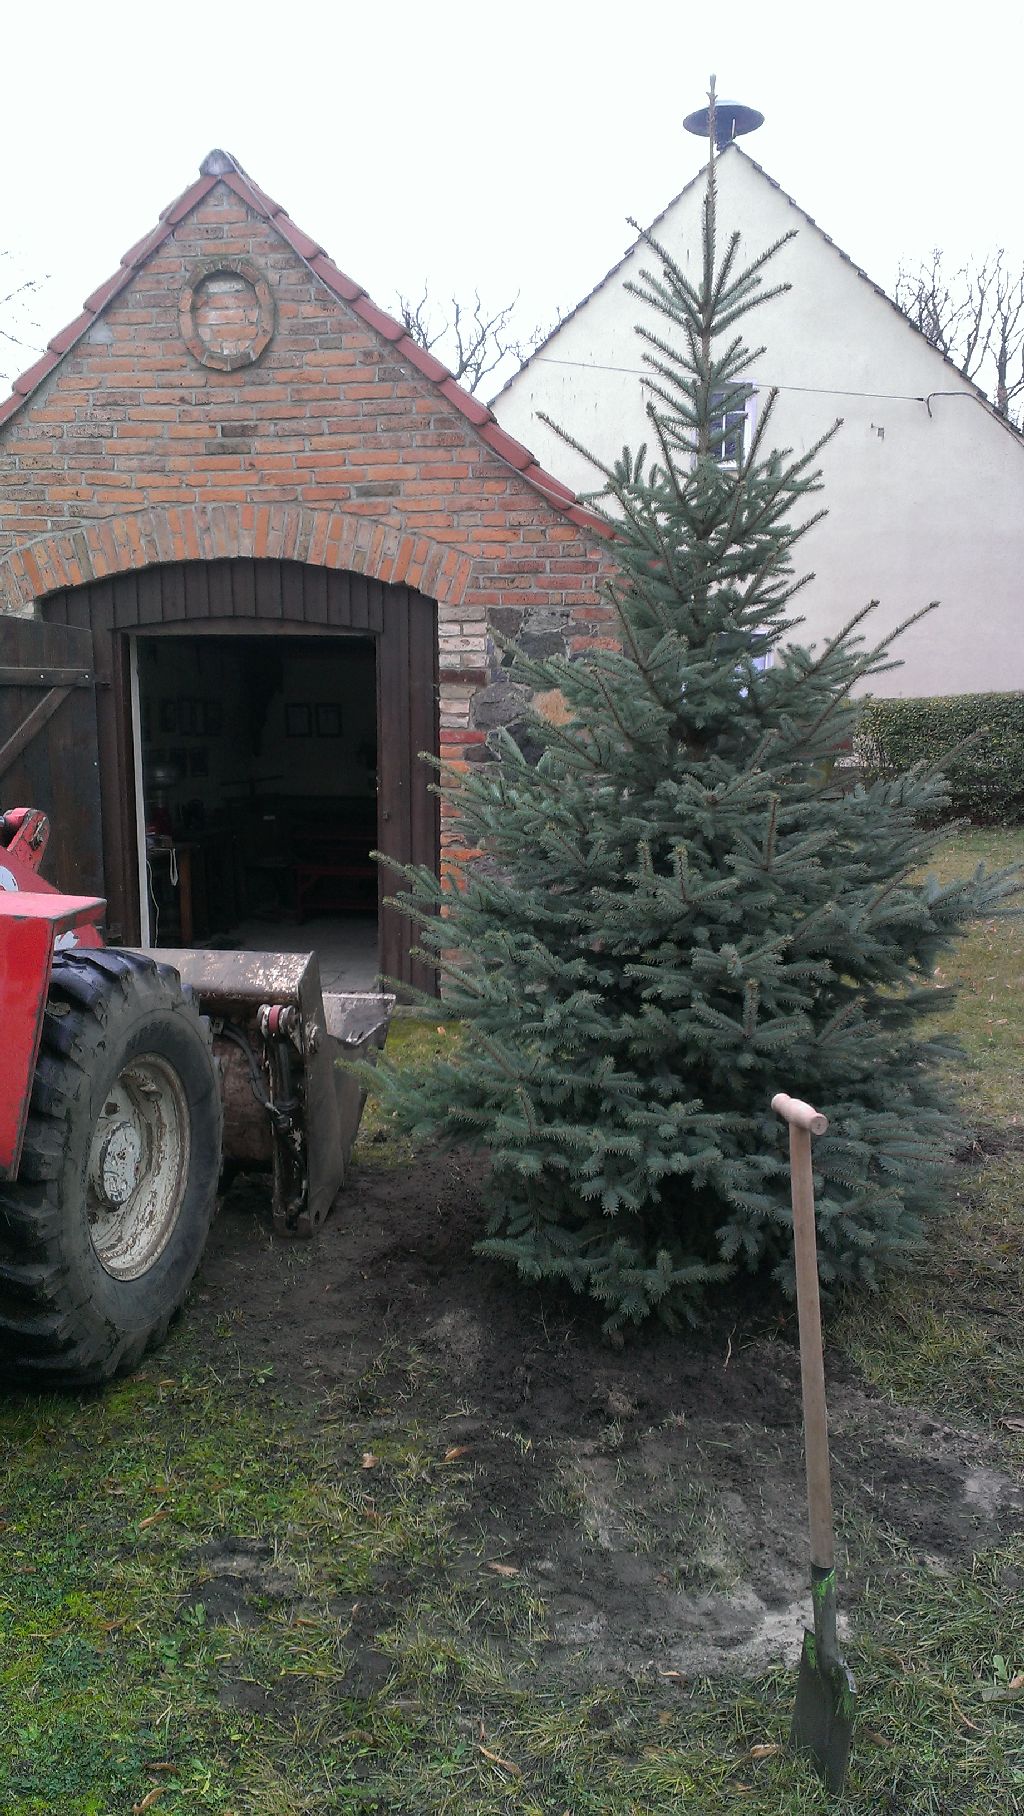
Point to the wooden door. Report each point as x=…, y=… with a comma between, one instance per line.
x=407, y=812
x=48, y=746
x=274, y=598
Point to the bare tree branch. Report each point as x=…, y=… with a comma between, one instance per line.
x=471, y=340
x=14, y=295
x=975, y=316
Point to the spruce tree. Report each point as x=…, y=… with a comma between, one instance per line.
x=686, y=904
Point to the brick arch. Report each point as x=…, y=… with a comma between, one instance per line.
x=284, y=532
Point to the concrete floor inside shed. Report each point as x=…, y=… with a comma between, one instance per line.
x=346, y=946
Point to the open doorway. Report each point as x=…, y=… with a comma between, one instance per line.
x=259, y=796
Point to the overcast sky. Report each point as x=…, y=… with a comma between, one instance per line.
x=496, y=146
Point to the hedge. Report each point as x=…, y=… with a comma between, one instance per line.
x=986, y=781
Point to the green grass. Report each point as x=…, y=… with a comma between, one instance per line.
x=988, y=969
x=375, y=1668
x=414, y=1042
x=948, y=1337
x=113, y=1669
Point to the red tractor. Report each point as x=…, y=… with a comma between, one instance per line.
x=126, y=1080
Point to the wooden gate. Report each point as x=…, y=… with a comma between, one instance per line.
x=48, y=749
x=267, y=598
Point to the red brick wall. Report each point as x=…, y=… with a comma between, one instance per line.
x=331, y=448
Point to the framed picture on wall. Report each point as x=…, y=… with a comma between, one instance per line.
x=190, y=717
x=328, y=720
x=298, y=721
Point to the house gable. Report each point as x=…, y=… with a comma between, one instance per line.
x=220, y=166
x=665, y=230
x=336, y=442
x=343, y=443
x=924, y=483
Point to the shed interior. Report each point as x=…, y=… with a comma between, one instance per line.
x=259, y=795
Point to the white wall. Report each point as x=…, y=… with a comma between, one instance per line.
x=920, y=506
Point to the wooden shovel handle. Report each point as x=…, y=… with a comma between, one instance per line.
x=804, y=1121
x=803, y=1115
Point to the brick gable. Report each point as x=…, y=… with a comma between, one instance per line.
x=341, y=445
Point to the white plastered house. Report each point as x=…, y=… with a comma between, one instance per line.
x=924, y=484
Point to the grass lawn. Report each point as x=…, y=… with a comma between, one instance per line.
x=238, y=1585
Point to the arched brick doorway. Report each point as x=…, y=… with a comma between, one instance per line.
x=255, y=599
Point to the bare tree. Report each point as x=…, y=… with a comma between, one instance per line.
x=14, y=295
x=975, y=315
x=470, y=340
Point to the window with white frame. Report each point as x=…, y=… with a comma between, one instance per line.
x=731, y=426
x=745, y=643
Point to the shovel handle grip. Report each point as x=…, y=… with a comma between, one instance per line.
x=799, y=1114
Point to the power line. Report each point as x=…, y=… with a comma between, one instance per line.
x=906, y=397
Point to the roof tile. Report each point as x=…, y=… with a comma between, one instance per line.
x=264, y=202
x=507, y=446
x=73, y=332
x=299, y=242
x=336, y=280
x=588, y=521
x=148, y=243
x=470, y=406
x=423, y=360
x=378, y=318
x=102, y=296
x=251, y=191
x=185, y=203
x=27, y=381
x=548, y=483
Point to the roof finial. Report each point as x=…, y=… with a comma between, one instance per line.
x=217, y=164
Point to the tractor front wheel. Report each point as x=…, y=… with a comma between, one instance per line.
x=104, y=1227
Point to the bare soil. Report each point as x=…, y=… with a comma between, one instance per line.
x=652, y=1497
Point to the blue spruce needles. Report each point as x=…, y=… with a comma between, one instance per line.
x=686, y=903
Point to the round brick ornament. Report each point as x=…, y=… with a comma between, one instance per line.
x=226, y=313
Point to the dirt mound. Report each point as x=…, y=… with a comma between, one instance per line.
x=652, y=1496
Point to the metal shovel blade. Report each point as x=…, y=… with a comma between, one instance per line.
x=823, y=1716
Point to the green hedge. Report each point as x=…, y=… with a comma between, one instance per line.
x=986, y=782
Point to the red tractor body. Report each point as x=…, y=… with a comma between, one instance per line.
x=126, y=1079
x=35, y=921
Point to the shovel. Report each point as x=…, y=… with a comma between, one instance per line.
x=825, y=1692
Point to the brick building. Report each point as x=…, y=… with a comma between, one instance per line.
x=253, y=545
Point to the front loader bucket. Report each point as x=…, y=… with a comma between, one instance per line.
x=287, y=1101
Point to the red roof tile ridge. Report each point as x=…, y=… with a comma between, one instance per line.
x=478, y=414
x=221, y=166
x=62, y=343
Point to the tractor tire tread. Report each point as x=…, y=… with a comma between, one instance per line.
x=52, y=1332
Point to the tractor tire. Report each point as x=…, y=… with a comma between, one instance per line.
x=103, y=1229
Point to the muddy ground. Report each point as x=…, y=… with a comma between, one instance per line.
x=652, y=1496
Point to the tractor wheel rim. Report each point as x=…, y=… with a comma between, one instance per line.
x=138, y=1166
